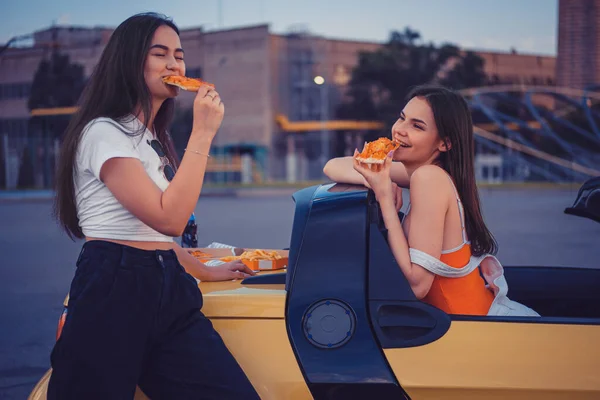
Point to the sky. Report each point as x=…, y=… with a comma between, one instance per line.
x=529, y=26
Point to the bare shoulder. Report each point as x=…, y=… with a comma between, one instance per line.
x=428, y=176
x=429, y=193
x=430, y=184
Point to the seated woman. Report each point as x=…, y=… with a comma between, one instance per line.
x=443, y=242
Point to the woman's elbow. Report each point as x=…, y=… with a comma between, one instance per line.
x=172, y=232
x=171, y=228
x=334, y=169
x=327, y=168
x=175, y=232
x=420, y=290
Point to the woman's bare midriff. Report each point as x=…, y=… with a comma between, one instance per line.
x=138, y=244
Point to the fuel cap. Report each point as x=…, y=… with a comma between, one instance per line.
x=329, y=323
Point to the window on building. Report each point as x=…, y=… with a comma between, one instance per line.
x=11, y=91
x=13, y=126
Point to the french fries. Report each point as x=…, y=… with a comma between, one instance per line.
x=255, y=255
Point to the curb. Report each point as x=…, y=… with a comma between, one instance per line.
x=26, y=196
x=47, y=196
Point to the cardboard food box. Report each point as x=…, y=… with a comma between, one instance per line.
x=205, y=254
x=208, y=254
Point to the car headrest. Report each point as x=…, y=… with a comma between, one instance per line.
x=587, y=203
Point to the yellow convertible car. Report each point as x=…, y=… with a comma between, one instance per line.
x=342, y=322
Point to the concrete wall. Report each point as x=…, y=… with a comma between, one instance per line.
x=519, y=68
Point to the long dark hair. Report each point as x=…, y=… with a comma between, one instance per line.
x=455, y=127
x=115, y=88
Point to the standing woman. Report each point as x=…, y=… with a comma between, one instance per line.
x=134, y=308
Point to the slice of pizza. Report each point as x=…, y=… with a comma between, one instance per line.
x=189, y=84
x=376, y=151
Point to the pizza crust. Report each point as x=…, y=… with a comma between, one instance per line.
x=181, y=86
x=185, y=83
x=370, y=160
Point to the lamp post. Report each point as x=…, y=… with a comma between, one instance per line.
x=320, y=81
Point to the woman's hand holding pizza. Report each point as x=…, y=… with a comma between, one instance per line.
x=378, y=180
x=208, y=113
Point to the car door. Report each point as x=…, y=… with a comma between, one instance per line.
x=479, y=358
x=433, y=355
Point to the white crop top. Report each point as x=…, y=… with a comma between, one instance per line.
x=100, y=213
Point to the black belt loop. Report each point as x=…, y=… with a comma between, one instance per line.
x=123, y=256
x=80, y=255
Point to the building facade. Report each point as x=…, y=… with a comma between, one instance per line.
x=261, y=77
x=578, y=43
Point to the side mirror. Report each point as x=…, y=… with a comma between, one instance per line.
x=587, y=203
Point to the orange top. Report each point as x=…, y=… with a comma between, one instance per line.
x=466, y=295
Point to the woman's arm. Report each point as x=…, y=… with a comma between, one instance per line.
x=341, y=170
x=168, y=211
x=227, y=271
x=428, y=210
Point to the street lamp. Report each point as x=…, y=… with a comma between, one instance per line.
x=319, y=80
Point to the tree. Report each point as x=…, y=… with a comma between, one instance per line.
x=383, y=78
x=57, y=83
x=467, y=73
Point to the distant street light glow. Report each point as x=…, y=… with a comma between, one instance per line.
x=319, y=80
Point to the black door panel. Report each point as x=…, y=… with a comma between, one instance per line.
x=327, y=315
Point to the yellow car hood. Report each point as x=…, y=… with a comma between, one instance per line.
x=231, y=299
